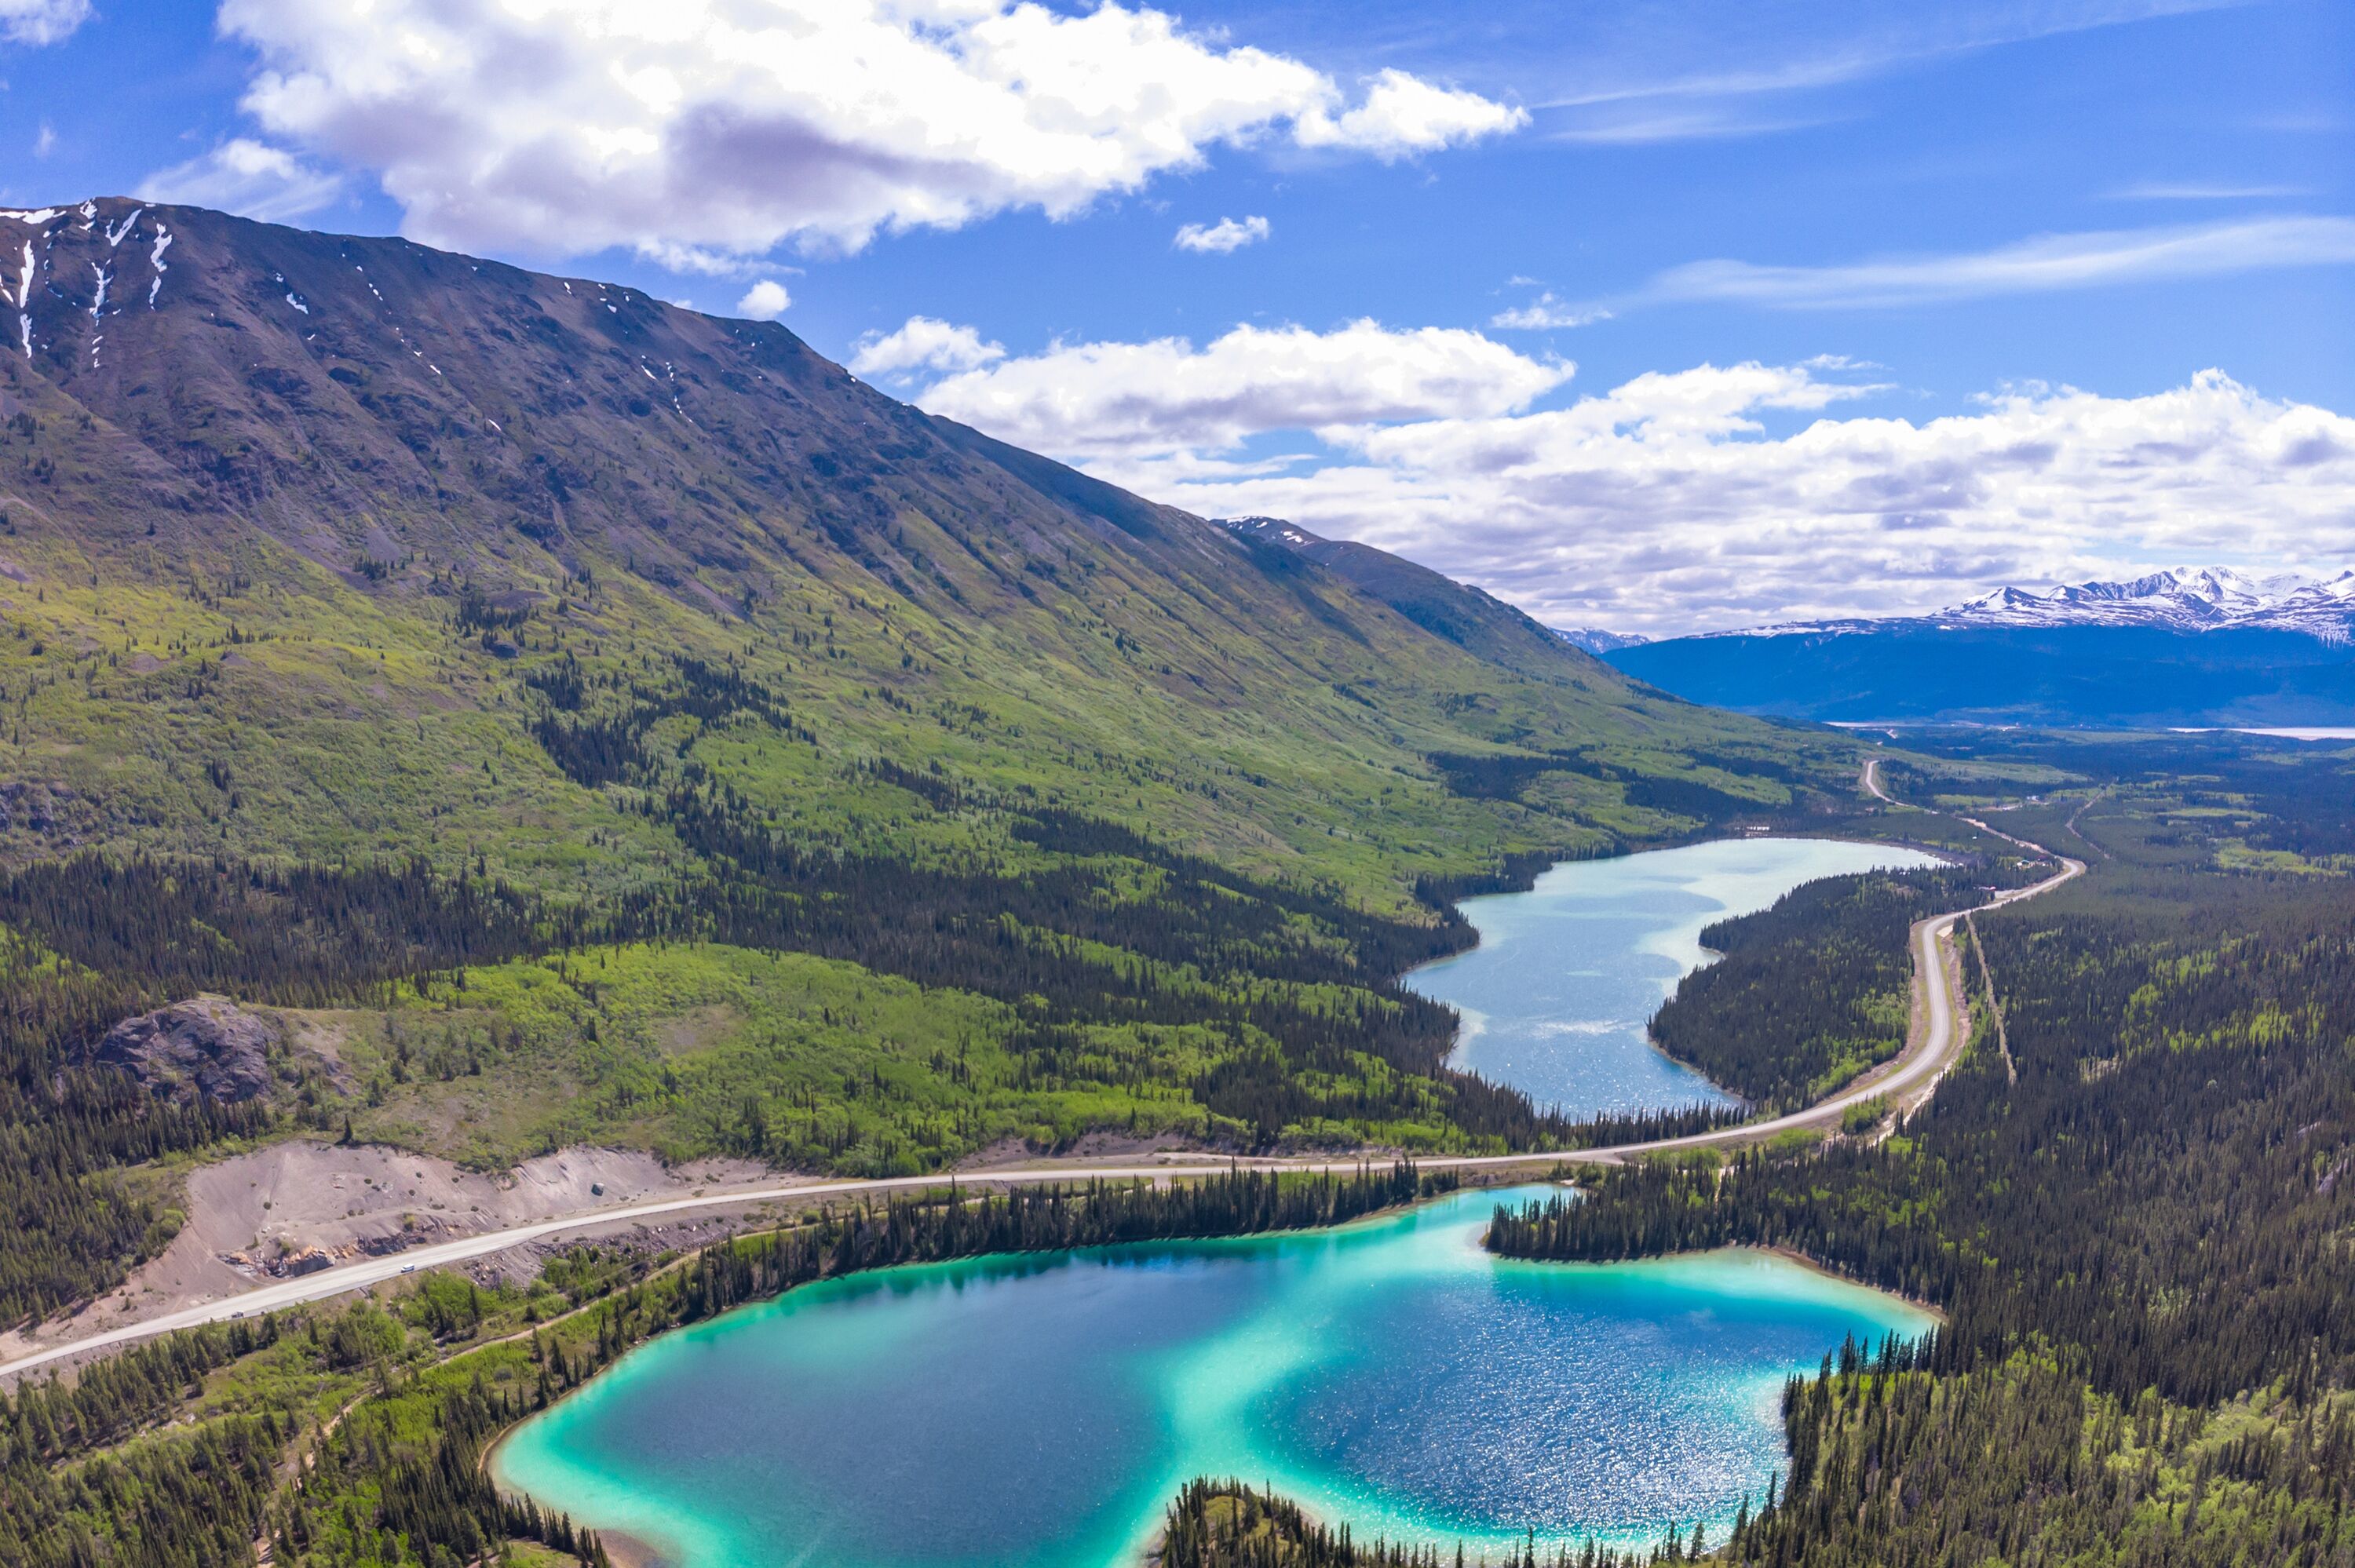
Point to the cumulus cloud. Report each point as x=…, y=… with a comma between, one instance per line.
x=2050, y=262
x=40, y=21
x=246, y=177
x=1664, y=506
x=1220, y=238
x=922, y=343
x=1167, y=397
x=1404, y=114
x=764, y=301
x=728, y=127
x=1717, y=496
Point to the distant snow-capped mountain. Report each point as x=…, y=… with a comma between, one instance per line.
x=1596, y=640
x=2196, y=646
x=2184, y=600
x=2188, y=598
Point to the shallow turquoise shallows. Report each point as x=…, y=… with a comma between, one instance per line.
x=1556, y=997
x=1042, y=1411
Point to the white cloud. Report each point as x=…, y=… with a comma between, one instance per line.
x=1402, y=115
x=764, y=301
x=40, y=21
x=1664, y=506
x=922, y=343
x=45, y=139
x=246, y=177
x=729, y=127
x=700, y=260
x=1220, y=238
x=1717, y=496
x=2050, y=262
x=1547, y=313
x=1167, y=397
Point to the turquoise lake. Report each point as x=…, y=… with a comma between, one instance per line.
x=1042, y=1411
x=1557, y=996
x=1039, y=1412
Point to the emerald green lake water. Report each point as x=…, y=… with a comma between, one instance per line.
x=1042, y=1410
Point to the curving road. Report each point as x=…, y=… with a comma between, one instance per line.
x=1924, y=1059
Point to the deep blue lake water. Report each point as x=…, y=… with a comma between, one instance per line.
x=1556, y=997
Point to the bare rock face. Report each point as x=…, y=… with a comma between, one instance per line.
x=206, y=1047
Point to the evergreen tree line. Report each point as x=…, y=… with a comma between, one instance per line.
x=610, y=748
x=1043, y=933
x=1507, y=776
x=108, y=1399
x=188, y=1499
x=1816, y=989
x=367, y=1497
x=89, y=941
x=2146, y=1232
x=978, y=926
x=1229, y=1524
x=2168, y=1091
x=402, y=1482
x=2020, y=1460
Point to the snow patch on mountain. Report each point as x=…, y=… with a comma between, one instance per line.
x=1594, y=640
x=2185, y=599
x=1271, y=528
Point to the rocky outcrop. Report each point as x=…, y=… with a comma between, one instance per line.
x=206, y=1047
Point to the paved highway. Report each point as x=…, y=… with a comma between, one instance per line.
x=1931, y=1051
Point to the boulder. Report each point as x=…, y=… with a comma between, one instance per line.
x=205, y=1047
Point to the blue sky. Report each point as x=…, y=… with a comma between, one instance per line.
x=1875, y=305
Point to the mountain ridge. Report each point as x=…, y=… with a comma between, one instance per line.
x=380, y=482
x=2236, y=650
x=2178, y=598
x=601, y=722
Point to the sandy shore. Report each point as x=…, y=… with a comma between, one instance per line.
x=629, y=1551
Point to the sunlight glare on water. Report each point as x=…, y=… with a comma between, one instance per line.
x=1042, y=1411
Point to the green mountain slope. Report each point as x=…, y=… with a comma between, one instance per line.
x=494, y=670
x=252, y=487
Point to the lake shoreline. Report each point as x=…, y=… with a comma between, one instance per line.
x=1426, y=1257
x=1515, y=1016
x=1731, y=884
x=629, y=1551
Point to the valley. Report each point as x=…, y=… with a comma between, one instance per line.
x=745, y=765
x=537, y=818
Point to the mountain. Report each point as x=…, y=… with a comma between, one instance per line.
x=2212, y=599
x=1470, y=618
x=566, y=718
x=413, y=476
x=1597, y=641
x=2206, y=598
x=2188, y=647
